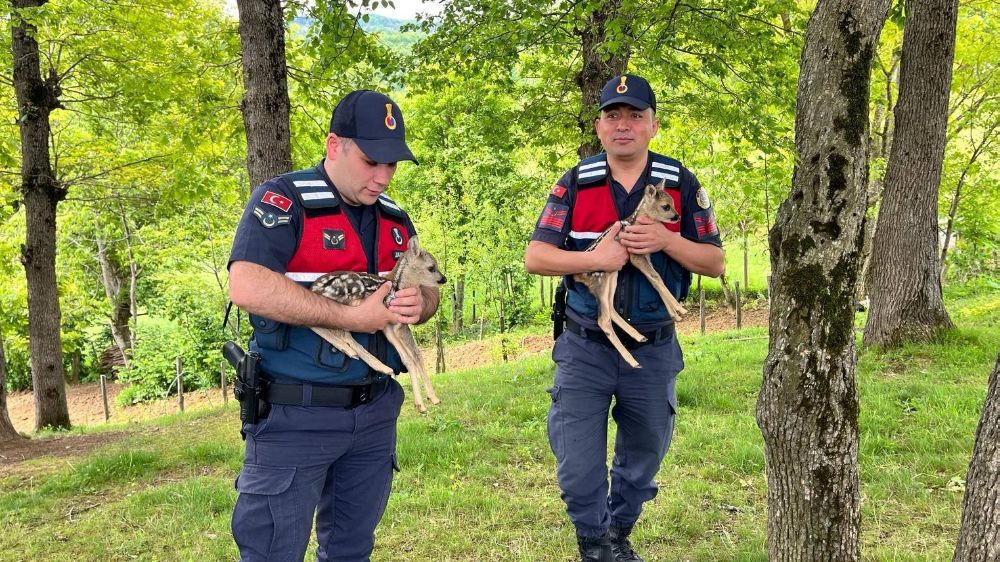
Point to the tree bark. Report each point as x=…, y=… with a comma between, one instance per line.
x=36, y=99
x=808, y=405
x=113, y=281
x=458, y=307
x=596, y=70
x=979, y=535
x=7, y=431
x=883, y=140
x=905, y=289
x=265, y=104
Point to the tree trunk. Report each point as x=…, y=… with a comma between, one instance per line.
x=808, y=405
x=905, y=289
x=458, y=306
x=7, y=431
x=978, y=148
x=979, y=535
x=727, y=293
x=880, y=149
x=113, y=281
x=597, y=69
x=265, y=105
x=36, y=98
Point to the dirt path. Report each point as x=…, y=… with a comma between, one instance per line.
x=86, y=406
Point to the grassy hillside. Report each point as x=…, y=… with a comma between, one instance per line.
x=477, y=480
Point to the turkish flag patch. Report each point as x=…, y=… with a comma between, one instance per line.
x=704, y=222
x=277, y=200
x=554, y=217
x=558, y=190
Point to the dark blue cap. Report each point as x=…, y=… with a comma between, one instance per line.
x=375, y=123
x=630, y=89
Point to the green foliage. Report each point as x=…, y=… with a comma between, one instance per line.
x=152, y=368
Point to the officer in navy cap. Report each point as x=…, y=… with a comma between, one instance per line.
x=593, y=195
x=326, y=445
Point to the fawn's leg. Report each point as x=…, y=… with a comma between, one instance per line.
x=392, y=334
x=343, y=341
x=407, y=340
x=643, y=264
x=617, y=318
x=605, y=296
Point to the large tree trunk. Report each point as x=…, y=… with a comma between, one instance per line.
x=979, y=536
x=880, y=149
x=596, y=70
x=808, y=404
x=7, y=431
x=905, y=289
x=36, y=98
x=265, y=105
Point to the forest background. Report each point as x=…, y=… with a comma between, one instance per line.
x=150, y=148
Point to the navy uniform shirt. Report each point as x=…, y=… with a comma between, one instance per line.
x=697, y=215
x=269, y=232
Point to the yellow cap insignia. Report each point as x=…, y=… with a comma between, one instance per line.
x=622, y=88
x=390, y=121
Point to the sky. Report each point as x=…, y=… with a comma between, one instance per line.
x=404, y=9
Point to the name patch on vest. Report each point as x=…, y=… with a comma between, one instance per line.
x=333, y=239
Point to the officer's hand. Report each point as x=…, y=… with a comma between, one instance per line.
x=371, y=315
x=609, y=255
x=408, y=304
x=646, y=236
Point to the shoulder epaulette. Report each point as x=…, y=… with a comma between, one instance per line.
x=390, y=207
x=592, y=170
x=311, y=189
x=664, y=168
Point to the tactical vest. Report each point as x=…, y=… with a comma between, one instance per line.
x=593, y=212
x=329, y=242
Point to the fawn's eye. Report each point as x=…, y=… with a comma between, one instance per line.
x=432, y=269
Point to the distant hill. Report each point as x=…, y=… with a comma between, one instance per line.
x=385, y=27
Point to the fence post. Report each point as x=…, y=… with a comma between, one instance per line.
x=104, y=395
x=180, y=384
x=222, y=381
x=739, y=308
x=701, y=305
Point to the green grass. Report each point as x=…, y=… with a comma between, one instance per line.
x=478, y=483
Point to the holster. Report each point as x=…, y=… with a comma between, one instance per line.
x=249, y=387
x=559, y=310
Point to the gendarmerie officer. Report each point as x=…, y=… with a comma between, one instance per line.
x=588, y=199
x=326, y=448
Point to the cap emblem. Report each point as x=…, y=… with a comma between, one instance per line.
x=390, y=121
x=622, y=88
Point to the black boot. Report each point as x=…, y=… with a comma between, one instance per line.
x=594, y=549
x=620, y=547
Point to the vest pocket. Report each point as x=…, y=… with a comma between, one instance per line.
x=269, y=334
x=331, y=357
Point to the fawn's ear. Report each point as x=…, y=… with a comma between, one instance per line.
x=651, y=190
x=413, y=245
x=662, y=185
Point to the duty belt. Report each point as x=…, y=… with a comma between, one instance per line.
x=307, y=394
x=598, y=336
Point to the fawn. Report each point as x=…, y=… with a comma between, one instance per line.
x=415, y=268
x=658, y=205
